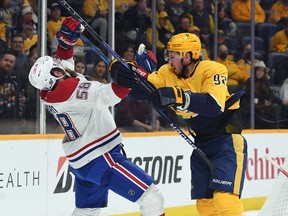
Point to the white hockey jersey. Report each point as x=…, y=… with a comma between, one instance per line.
x=81, y=108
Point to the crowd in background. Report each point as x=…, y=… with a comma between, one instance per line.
x=133, y=26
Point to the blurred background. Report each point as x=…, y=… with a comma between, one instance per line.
x=249, y=37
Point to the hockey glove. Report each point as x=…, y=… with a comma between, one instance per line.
x=145, y=60
x=168, y=97
x=69, y=32
x=122, y=76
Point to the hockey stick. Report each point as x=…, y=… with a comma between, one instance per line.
x=95, y=49
x=88, y=28
x=140, y=80
x=274, y=163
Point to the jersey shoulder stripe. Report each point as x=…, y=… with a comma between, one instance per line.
x=62, y=92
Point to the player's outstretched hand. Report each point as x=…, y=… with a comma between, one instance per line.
x=145, y=59
x=122, y=76
x=69, y=32
x=168, y=97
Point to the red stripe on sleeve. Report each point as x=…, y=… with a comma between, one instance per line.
x=120, y=91
x=64, y=53
x=62, y=92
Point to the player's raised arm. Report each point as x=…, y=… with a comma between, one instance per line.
x=93, y=143
x=67, y=36
x=145, y=63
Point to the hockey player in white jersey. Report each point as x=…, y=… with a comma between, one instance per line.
x=92, y=141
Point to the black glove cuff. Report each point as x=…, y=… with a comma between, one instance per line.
x=122, y=76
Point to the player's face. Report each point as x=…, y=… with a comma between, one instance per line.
x=57, y=72
x=175, y=62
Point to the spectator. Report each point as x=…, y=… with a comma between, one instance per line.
x=11, y=98
x=3, y=47
x=184, y=23
x=29, y=91
x=245, y=62
x=165, y=30
x=55, y=21
x=226, y=4
x=225, y=23
x=27, y=14
x=75, y=4
x=95, y=13
x=279, y=41
x=163, y=35
x=241, y=11
x=204, y=21
x=2, y=30
x=166, y=24
x=121, y=6
x=80, y=66
x=26, y=11
x=34, y=5
x=17, y=44
x=209, y=6
x=54, y=25
x=136, y=20
x=176, y=8
x=278, y=11
x=236, y=78
x=220, y=37
x=230, y=42
x=6, y=19
x=30, y=38
x=283, y=93
x=14, y=6
x=129, y=52
x=204, y=54
x=161, y=6
x=100, y=72
x=135, y=116
x=267, y=107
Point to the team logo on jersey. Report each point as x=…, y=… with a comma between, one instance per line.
x=222, y=182
x=131, y=192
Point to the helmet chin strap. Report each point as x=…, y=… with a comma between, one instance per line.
x=184, y=70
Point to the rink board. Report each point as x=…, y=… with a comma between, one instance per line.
x=35, y=179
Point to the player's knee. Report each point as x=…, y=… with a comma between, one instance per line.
x=206, y=207
x=151, y=202
x=86, y=212
x=228, y=204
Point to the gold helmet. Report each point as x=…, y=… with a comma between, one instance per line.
x=185, y=42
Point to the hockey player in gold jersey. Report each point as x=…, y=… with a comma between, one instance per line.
x=197, y=90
